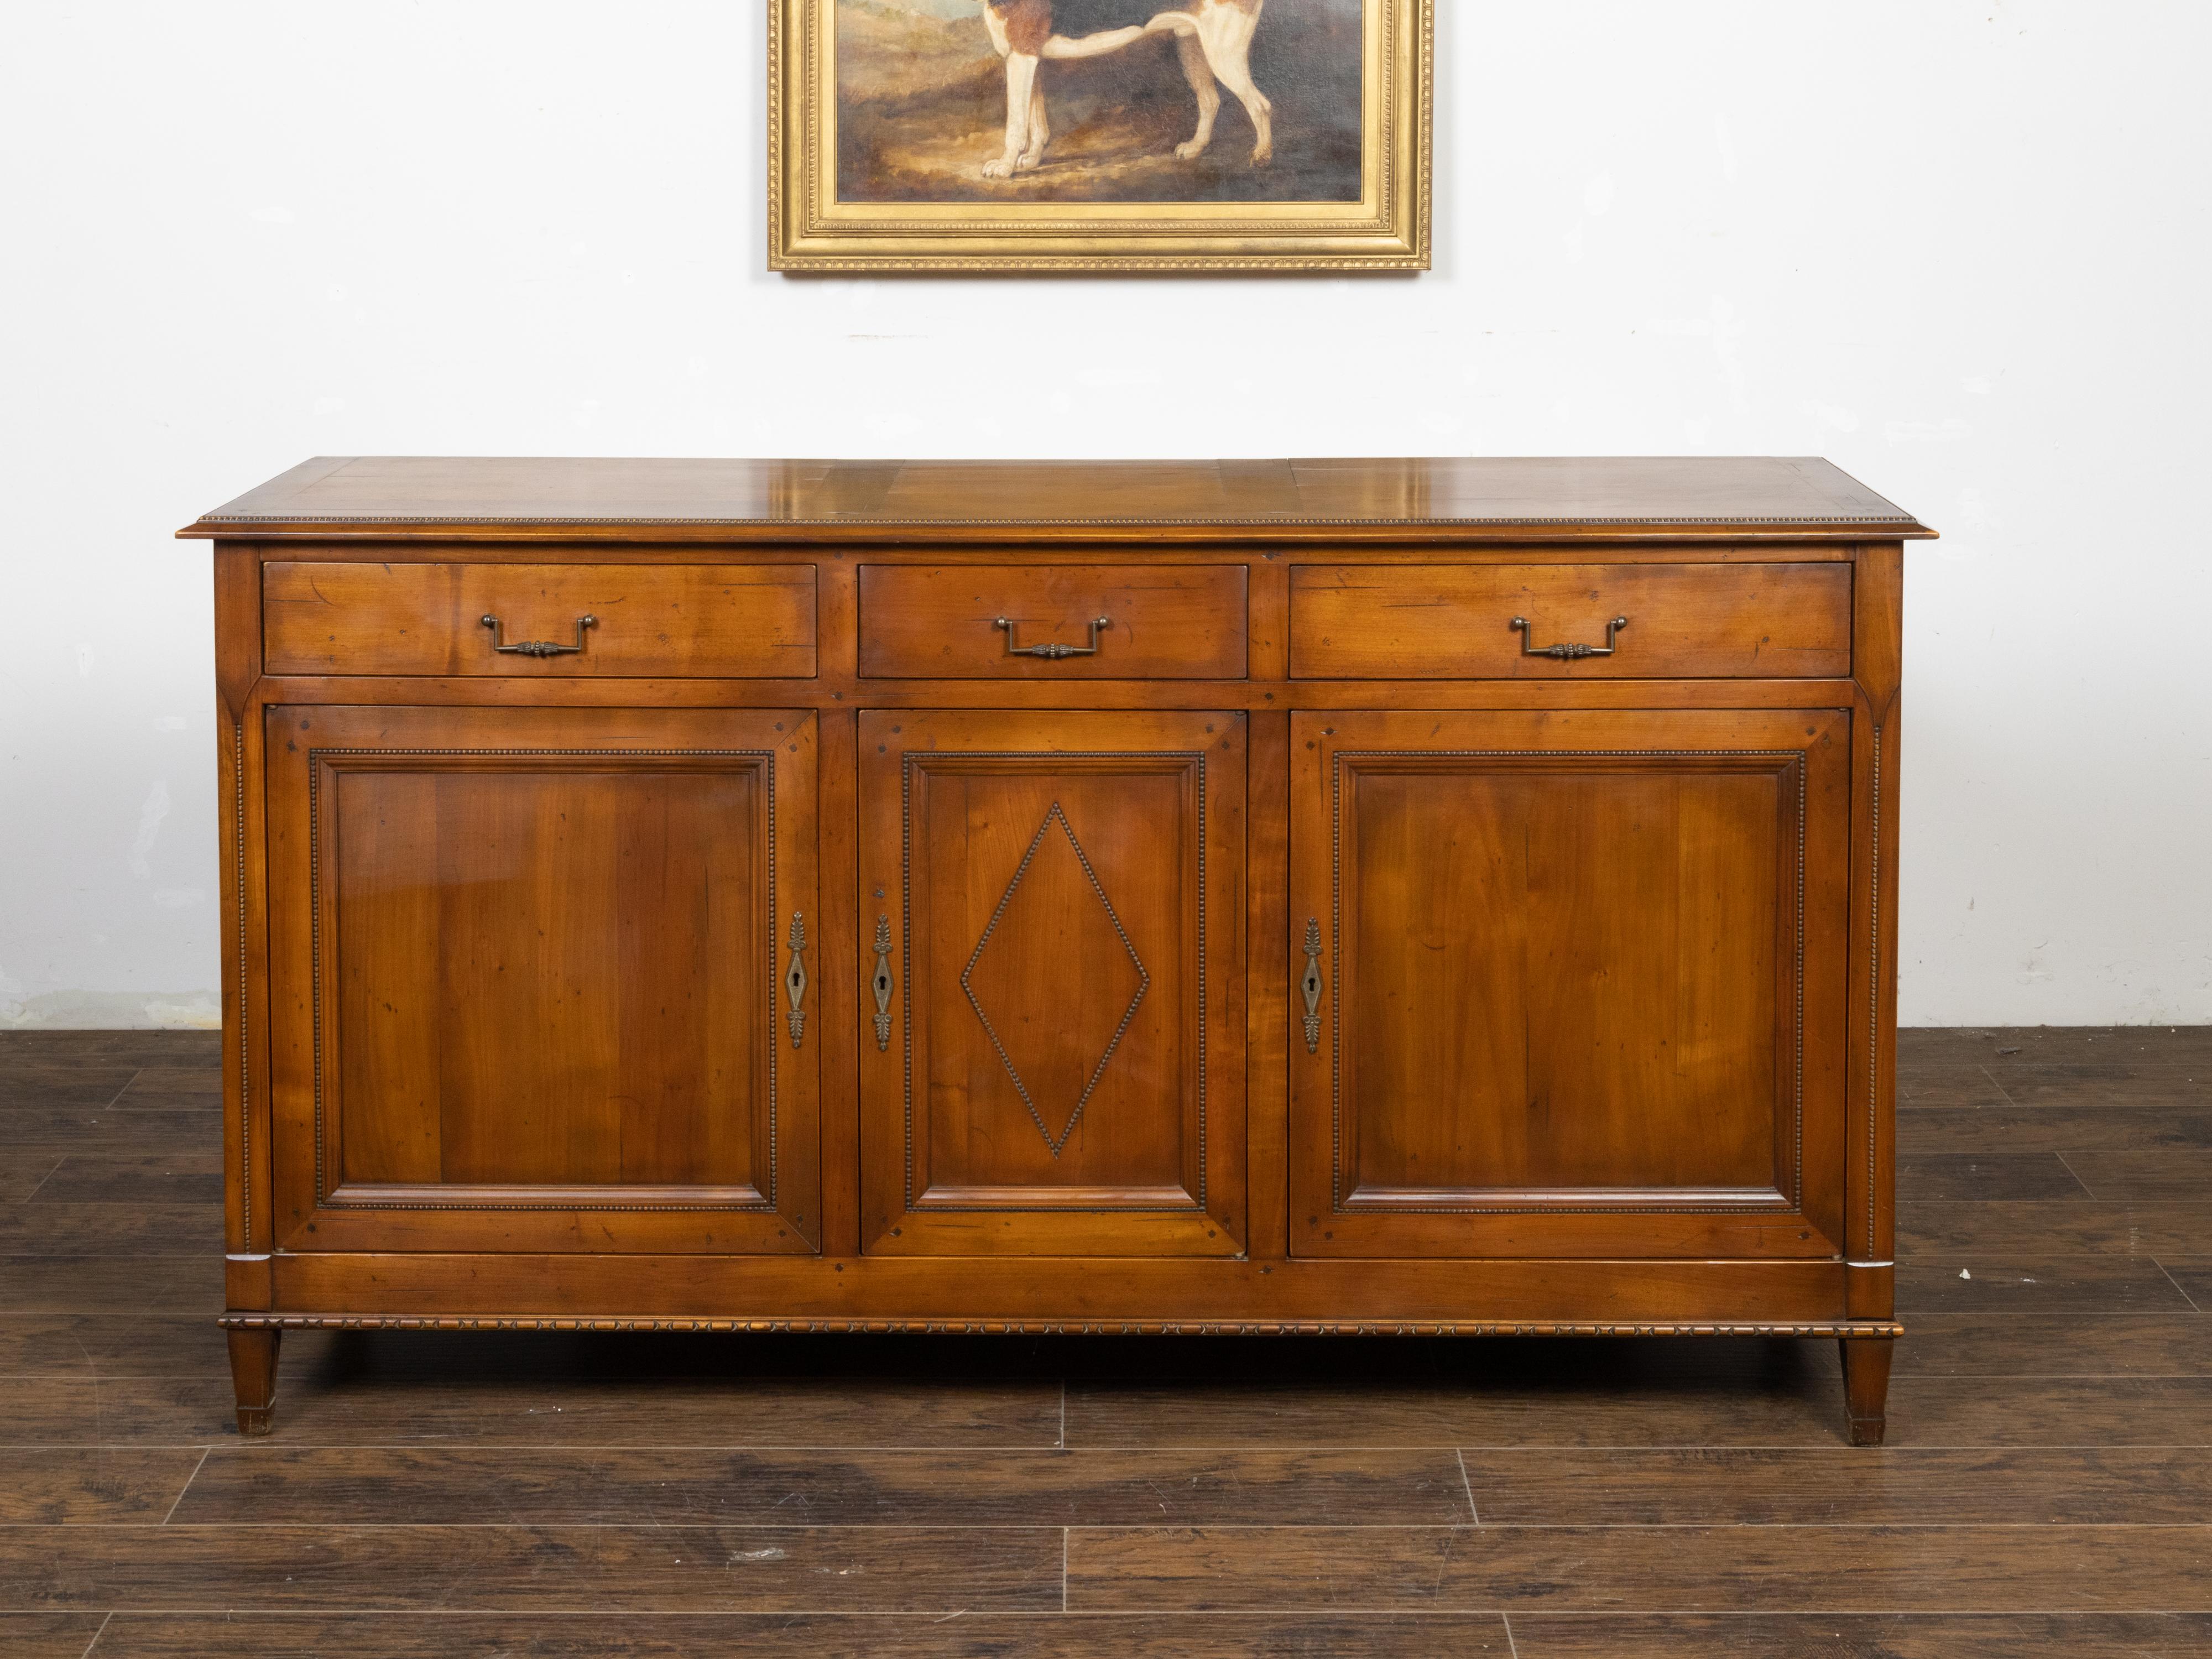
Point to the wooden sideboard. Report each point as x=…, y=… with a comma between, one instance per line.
x=1436, y=897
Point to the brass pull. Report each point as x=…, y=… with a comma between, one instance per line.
x=794, y=978
x=881, y=984
x=1568, y=653
x=1053, y=652
x=540, y=647
x=1311, y=985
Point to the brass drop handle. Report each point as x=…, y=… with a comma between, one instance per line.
x=1311, y=985
x=881, y=983
x=794, y=978
x=540, y=647
x=1568, y=653
x=1053, y=652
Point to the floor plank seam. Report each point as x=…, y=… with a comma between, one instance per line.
x=44, y=1179
x=294, y=1613
x=2177, y=1285
x=187, y=1486
x=2076, y=1173
x=96, y=1635
x=291, y=1611
x=1474, y=1513
x=648, y=1524
x=1637, y=1447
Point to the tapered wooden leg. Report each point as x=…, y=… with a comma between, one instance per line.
x=1866, y=1385
x=253, y=1376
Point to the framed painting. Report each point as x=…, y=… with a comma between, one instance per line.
x=1099, y=135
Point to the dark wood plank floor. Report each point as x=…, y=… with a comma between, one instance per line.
x=2047, y=1488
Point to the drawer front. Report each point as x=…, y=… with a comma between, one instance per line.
x=1037, y=622
x=681, y=621
x=1460, y=622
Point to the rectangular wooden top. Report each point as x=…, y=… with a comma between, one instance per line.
x=1447, y=500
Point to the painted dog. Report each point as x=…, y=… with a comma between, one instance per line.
x=1214, y=38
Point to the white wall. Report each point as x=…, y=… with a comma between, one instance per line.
x=1959, y=246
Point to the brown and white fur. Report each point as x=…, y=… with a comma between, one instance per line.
x=1214, y=38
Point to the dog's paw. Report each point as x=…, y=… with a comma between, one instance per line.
x=998, y=168
x=1263, y=155
x=1191, y=151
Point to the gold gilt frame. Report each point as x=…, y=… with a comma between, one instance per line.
x=1388, y=230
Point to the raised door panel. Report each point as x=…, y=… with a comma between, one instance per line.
x=1577, y=983
x=1058, y=1065
x=536, y=979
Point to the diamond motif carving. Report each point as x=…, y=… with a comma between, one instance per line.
x=1047, y=840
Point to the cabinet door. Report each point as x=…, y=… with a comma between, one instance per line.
x=1577, y=982
x=538, y=979
x=1059, y=1067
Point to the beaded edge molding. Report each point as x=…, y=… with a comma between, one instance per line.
x=263, y=1322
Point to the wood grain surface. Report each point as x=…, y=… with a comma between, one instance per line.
x=1160, y=622
x=2046, y=1490
x=543, y=949
x=1643, y=915
x=1685, y=621
x=763, y=500
x=391, y=618
x=1063, y=1073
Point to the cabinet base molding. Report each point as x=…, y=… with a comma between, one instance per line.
x=614, y=1323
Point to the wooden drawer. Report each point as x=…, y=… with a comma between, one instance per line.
x=1458, y=621
x=681, y=621
x=1161, y=621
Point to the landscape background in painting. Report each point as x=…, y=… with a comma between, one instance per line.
x=921, y=105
